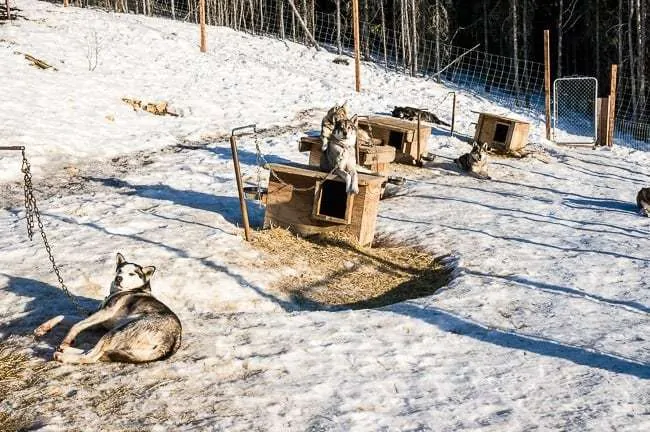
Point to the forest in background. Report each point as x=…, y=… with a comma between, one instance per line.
x=425, y=37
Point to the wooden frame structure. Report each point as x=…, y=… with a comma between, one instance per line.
x=297, y=193
x=409, y=140
x=376, y=158
x=501, y=133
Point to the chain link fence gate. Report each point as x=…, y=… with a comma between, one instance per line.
x=575, y=116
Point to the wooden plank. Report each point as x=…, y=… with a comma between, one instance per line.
x=611, y=124
x=393, y=122
x=204, y=42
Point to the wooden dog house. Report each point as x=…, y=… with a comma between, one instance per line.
x=501, y=133
x=308, y=201
x=409, y=142
x=376, y=158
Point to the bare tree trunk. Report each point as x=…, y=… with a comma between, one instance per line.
x=8, y=11
x=437, y=24
x=515, y=45
x=407, y=34
x=338, y=27
x=632, y=56
x=560, y=26
x=282, y=19
x=304, y=25
x=597, y=39
x=620, y=33
x=383, y=33
x=485, y=24
x=641, y=51
x=414, y=34
x=365, y=34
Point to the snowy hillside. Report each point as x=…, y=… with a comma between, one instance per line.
x=545, y=326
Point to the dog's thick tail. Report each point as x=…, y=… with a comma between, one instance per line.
x=48, y=325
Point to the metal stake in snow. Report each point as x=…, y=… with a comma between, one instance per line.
x=240, y=187
x=32, y=213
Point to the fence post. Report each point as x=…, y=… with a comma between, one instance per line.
x=8, y=11
x=204, y=44
x=547, y=83
x=611, y=121
x=357, y=58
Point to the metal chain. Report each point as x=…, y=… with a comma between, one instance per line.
x=31, y=213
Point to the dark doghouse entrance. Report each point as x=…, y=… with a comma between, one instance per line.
x=396, y=139
x=332, y=203
x=501, y=133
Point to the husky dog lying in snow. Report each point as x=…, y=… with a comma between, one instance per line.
x=410, y=113
x=341, y=155
x=141, y=328
x=475, y=162
x=643, y=201
x=336, y=113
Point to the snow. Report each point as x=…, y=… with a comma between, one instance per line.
x=544, y=326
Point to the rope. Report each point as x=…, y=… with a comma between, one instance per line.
x=32, y=213
x=260, y=156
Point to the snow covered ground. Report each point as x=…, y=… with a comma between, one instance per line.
x=545, y=326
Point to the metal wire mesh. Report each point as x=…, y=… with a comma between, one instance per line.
x=574, y=110
x=632, y=127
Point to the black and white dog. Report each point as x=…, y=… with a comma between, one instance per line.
x=410, y=113
x=140, y=327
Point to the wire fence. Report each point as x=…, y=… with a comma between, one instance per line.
x=632, y=114
x=516, y=84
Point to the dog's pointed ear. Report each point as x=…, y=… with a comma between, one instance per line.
x=120, y=259
x=355, y=120
x=148, y=272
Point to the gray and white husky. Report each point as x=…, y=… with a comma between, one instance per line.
x=643, y=201
x=141, y=328
x=475, y=162
x=334, y=114
x=340, y=157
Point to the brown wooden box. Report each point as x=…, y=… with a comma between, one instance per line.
x=289, y=205
x=376, y=158
x=501, y=133
x=403, y=135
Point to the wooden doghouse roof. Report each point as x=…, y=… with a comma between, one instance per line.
x=502, y=118
x=310, y=171
x=394, y=122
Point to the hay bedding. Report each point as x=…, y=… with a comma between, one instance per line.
x=17, y=372
x=331, y=271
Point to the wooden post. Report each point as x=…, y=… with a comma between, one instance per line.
x=611, y=122
x=357, y=55
x=547, y=82
x=418, y=161
x=453, y=114
x=240, y=187
x=204, y=43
